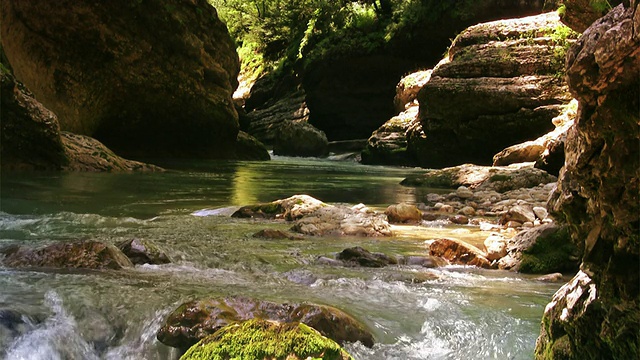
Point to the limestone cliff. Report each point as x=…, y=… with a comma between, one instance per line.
x=30, y=137
x=500, y=84
x=597, y=314
x=148, y=78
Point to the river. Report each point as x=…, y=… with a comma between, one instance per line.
x=414, y=313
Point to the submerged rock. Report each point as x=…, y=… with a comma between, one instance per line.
x=403, y=213
x=195, y=320
x=362, y=257
x=141, y=251
x=78, y=255
x=277, y=234
x=264, y=339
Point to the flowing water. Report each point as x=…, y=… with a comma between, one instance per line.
x=414, y=313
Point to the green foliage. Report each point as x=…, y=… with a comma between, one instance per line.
x=261, y=339
x=275, y=34
x=601, y=6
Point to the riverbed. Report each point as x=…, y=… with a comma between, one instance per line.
x=453, y=312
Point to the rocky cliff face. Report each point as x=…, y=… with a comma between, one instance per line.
x=30, y=137
x=148, y=78
x=501, y=84
x=597, y=314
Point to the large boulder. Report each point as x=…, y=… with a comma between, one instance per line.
x=596, y=315
x=388, y=144
x=150, y=78
x=459, y=252
x=74, y=255
x=343, y=221
x=299, y=138
x=495, y=178
x=263, y=339
x=31, y=138
x=195, y=320
x=349, y=80
x=541, y=250
x=264, y=122
x=547, y=151
x=499, y=85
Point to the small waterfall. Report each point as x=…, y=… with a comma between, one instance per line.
x=56, y=338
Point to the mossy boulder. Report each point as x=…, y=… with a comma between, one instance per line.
x=299, y=138
x=67, y=255
x=263, y=339
x=195, y=320
x=291, y=208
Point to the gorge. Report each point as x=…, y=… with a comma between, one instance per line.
x=492, y=216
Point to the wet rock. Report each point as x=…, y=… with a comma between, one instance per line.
x=424, y=261
x=82, y=255
x=467, y=211
x=277, y=234
x=464, y=193
x=459, y=219
x=361, y=257
x=303, y=277
x=323, y=260
x=343, y=221
x=458, y=252
x=519, y=214
x=300, y=139
x=540, y=212
x=482, y=178
x=269, y=339
x=291, y=208
x=403, y=213
x=495, y=247
x=88, y=154
x=141, y=251
x=554, y=277
x=541, y=250
x=195, y=320
x=122, y=90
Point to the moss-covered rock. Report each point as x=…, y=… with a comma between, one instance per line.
x=263, y=339
x=77, y=254
x=553, y=252
x=195, y=320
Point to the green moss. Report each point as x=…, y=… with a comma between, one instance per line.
x=552, y=253
x=262, y=339
x=499, y=177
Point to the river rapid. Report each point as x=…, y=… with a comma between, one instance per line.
x=414, y=313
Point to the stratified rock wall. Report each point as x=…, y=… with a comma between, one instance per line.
x=148, y=78
x=500, y=85
x=597, y=314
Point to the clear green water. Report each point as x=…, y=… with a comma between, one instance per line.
x=457, y=313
